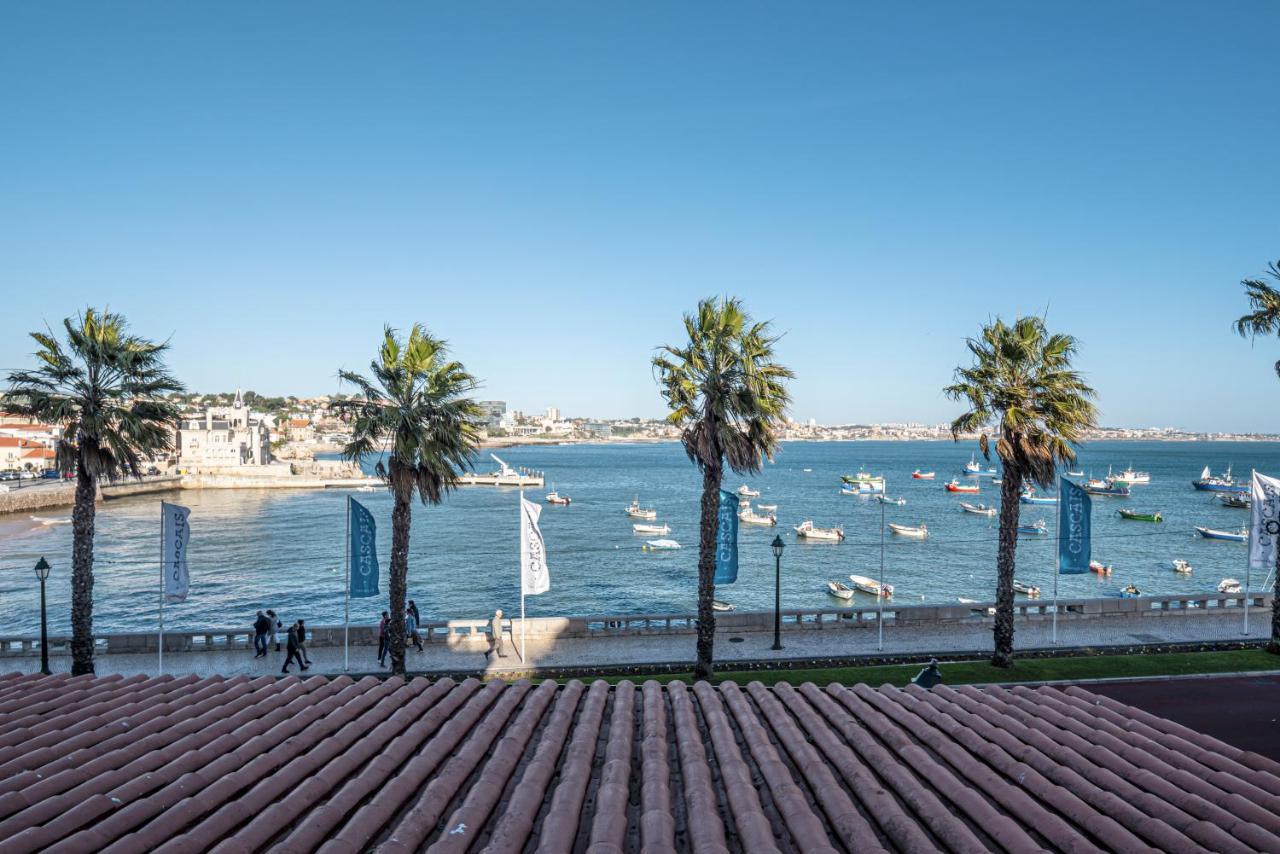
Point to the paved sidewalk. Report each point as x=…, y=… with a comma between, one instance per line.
x=621, y=651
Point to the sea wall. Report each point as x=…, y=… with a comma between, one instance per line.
x=46, y=495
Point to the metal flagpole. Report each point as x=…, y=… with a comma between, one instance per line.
x=346, y=614
x=1248, y=559
x=161, y=664
x=522, y=524
x=1057, y=542
x=880, y=592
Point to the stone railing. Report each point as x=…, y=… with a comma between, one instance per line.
x=546, y=629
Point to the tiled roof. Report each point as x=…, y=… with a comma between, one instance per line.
x=186, y=764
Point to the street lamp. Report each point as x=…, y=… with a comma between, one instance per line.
x=42, y=573
x=778, y=546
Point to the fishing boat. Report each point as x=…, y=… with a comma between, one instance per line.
x=1235, y=500
x=747, y=492
x=866, y=483
x=1025, y=589
x=957, y=486
x=973, y=466
x=1097, y=483
x=978, y=509
x=660, y=545
x=747, y=516
x=1030, y=497
x=652, y=530
x=870, y=585
x=366, y=488
x=1108, y=489
x=1131, y=477
x=839, y=589
x=922, y=475
x=1228, y=585
x=1075, y=474
x=807, y=530
x=1219, y=483
x=768, y=508
x=1234, y=536
x=917, y=532
x=851, y=490
x=635, y=511
x=1181, y=567
x=1036, y=528
x=1139, y=516
x=896, y=502
x=554, y=497
x=717, y=605
x=1100, y=568
x=1131, y=591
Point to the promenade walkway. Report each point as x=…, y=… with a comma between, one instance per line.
x=621, y=651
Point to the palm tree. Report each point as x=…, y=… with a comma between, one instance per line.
x=104, y=388
x=415, y=407
x=1022, y=385
x=1264, y=319
x=728, y=395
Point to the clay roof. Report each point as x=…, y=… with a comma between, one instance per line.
x=187, y=764
x=18, y=442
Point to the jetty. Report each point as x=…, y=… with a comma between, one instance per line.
x=504, y=476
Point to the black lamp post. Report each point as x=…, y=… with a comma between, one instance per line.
x=778, y=546
x=42, y=573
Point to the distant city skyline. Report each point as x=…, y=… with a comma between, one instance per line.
x=550, y=188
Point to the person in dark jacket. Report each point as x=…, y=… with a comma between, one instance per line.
x=293, y=646
x=413, y=609
x=411, y=628
x=384, y=638
x=302, y=642
x=261, y=631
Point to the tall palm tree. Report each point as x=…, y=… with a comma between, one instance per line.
x=1022, y=388
x=414, y=406
x=728, y=395
x=104, y=388
x=1264, y=319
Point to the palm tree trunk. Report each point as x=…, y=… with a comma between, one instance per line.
x=1010, y=491
x=702, y=670
x=401, y=516
x=82, y=523
x=1274, y=646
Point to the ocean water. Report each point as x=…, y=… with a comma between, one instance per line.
x=284, y=549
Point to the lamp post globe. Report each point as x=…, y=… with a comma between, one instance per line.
x=777, y=545
x=42, y=572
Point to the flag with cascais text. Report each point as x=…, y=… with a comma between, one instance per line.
x=534, y=576
x=364, y=551
x=1074, y=510
x=727, y=539
x=175, y=534
x=1264, y=522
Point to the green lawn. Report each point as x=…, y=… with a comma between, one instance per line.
x=1027, y=670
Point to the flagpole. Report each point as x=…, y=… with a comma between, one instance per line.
x=522, y=523
x=1248, y=557
x=1057, y=530
x=160, y=667
x=880, y=592
x=346, y=608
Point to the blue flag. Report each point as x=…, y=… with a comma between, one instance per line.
x=727, y=539
x=363, y=560
x=1074, y=509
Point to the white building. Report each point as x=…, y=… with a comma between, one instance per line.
x=225, y=436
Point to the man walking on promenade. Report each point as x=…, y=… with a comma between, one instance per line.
x=495, y=636
x=261, y=629
x=411, y=628
x=292, y=652
x=302, y=643
x=271, y=615
x=383, y=640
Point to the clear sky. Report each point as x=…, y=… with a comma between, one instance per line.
x=548, y=186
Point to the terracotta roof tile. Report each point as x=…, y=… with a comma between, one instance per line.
x=299, y=765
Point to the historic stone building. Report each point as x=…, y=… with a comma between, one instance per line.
x=225, y=436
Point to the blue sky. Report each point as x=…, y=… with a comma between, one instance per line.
x=549, y=186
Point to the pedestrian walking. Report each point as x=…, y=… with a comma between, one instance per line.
x=413, y=609
x=302, y=642
x=261, y=631
x=495, y=636
x=411, y=628
x=292, y=650
x=277, y=627
x=384, y=638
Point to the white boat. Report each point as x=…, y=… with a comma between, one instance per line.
x=1075, y=474
x=660, y=545
x=46, y=520
x=635, y=511
x=807, y=530
x=1240, y=536
x=1181, y=566
x=851, y=490
x=747, y=516
x=366, y=488
x=717, y=605
x=768, y=508
x=896, y=502
x=915, y=533
x=747, y=492
x=1026, y=589
x=839, y=589
x=870, y=585
x=978, y=509
x=1130, y=477
x=1228, y=585
x=652, y=530
x=554, y=497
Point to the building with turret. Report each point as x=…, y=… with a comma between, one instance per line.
x=225, y=436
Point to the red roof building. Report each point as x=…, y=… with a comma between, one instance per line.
x=187, y=764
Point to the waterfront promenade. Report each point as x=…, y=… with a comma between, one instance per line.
x=610, y=653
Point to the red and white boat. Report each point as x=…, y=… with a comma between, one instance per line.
x=1100, y=568
x=554, y=497
x=922, y=475
x=957, y=486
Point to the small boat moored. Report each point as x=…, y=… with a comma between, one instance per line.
x=1131, y=591
x=1030, y=497
x=747, y=492
x=1228, y=585
x=1235, y=500
x=957, y=486
x=1219, y=483
x=652, y=530
x=717, y=605
x=870, y=585
x=978, y=509
x=1131, y=477
x=660, y=545
x=1181, y=567
x=747, y=516
x=1036, y=528
x=1108, y=489
x=922, y=475
x=635, y=511
x=897, y=502
x=1240, y=536
x=1025, y=589
x=808, y=531
x=554, y=497
x=1100, y=568
x=839, y=589
x=1139, y=516
x=918, y=532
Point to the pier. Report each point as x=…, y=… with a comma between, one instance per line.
x=504, y=476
